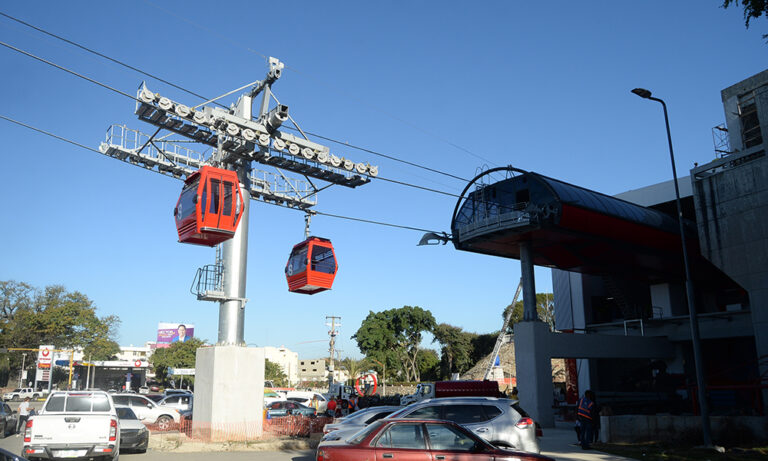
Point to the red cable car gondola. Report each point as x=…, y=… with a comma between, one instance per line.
x=314, y=274
x=210, y=207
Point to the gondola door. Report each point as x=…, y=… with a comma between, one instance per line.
x=210, y=207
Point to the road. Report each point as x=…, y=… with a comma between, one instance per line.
x=557, y=443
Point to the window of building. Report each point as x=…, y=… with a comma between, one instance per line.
x=750, y=124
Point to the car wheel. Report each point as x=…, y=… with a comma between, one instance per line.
x=15, y=398
x=143, y=448
x=164, y=423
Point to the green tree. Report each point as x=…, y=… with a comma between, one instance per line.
x=30, y=317
x=429, y=365
x=456, y=349
x=545, y=308
x=274, y=372
x=393, y=336
x=353, y=367
x=177, y=355
x=753, y=9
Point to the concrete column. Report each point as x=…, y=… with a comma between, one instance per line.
x=533, y=367
x=229, y=392
x=529, y=282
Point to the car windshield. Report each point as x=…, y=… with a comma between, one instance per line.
x=362, y=434
x=125, y=413
x=16, y=390
x=398, y=413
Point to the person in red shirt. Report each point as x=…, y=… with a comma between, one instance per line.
x=332, y=407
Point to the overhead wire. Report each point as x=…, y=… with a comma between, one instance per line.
x=332, y=215
x=102, y=55
x=103, y=85
x=299, y=72
x=160, y=79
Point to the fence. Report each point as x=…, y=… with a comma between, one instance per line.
x=247, y=431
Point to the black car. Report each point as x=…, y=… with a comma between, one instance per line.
x=8, y=420
x=134, y=435
x=8, y=456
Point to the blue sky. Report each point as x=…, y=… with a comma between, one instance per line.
x=542, y=86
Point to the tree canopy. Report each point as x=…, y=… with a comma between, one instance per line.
x=30, y=317
x=177, y=355
x=274, y=372
x=393, y=337
x=545, y=308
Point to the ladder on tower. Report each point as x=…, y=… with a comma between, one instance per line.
x=500, y=339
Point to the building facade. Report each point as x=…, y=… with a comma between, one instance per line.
x=287, y=359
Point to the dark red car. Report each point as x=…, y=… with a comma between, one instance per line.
x=417, y=440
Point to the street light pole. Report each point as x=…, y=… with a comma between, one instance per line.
x=695, y=338
x=21, y=372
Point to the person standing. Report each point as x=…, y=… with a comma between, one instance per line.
x=24, y=409
x=587, y=415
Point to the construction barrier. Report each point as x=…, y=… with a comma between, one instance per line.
x=248, y=431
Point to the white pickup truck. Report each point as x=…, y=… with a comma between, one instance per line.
x=22, y=393
x=74, y=425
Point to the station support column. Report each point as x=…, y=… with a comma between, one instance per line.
x=533, y=364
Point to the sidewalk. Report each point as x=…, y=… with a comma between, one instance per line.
x=558, y=443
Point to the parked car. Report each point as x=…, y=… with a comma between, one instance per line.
x=8, y=420
x=272, y=396
x=134, y=435
x=21, y=394
x=144, y=390
x=180, y=402
x=500, y=421
x=74, y=424
x=8, y=456
x=354, y=422
x=168, y=392
x=285, y=408
x=305, y=398
x=417, y=440
x=155, y=397
x=154, y=388
x=148, y=411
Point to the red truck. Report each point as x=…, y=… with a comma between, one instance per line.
x=452, y=389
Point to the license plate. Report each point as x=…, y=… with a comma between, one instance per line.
x=70, y=453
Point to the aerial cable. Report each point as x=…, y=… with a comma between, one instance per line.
x=92, y=51
x=299, y=72
x=214, y=100
x=103, y=85
x=135, y=99
x=380, y=223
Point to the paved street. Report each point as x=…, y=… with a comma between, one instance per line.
x=557, y=443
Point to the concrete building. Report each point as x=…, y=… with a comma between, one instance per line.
x=287, y=359
x=313, y=370
x=618, y=278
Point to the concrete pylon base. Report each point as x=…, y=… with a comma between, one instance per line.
x=533, y=368
x=229, y=393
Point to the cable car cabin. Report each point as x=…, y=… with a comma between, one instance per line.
x=311, y=267
x=210, y=207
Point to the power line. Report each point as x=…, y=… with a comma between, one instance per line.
x=18, y=50
x=92, y=51
x=402, y=183
x=299, y=72
x=160, y=79
x=350, y=218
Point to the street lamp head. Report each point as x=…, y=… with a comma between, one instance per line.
x=642, y=92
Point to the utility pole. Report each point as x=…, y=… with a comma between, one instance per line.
x=332, y=333
x=21, y=372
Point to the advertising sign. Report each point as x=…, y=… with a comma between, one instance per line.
x=169, y=333
x=181, y=371
x=45, y=356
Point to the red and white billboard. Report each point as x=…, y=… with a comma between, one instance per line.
x=45, y=356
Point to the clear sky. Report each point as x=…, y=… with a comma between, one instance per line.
x=542, y=86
